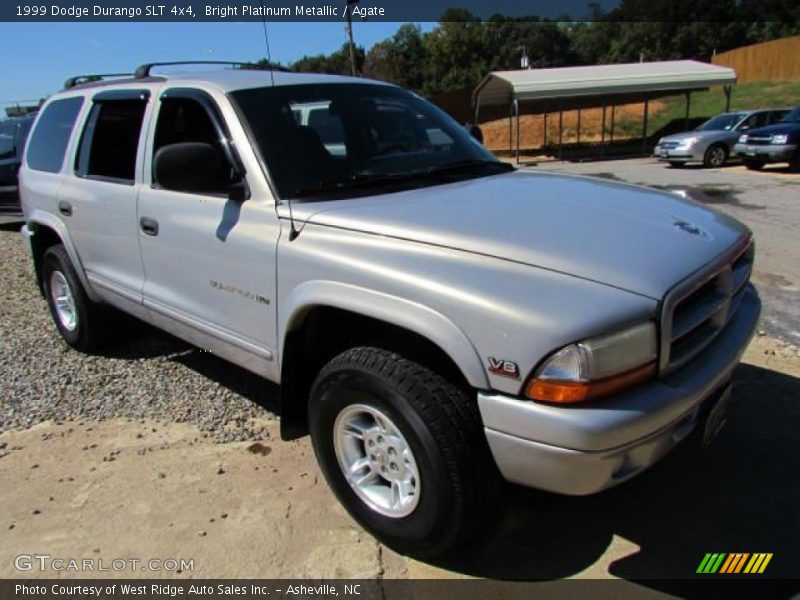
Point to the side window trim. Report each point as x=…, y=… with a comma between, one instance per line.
x=82, y=153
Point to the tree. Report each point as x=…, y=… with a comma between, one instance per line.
x=336, y=63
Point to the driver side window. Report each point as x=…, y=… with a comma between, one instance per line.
x=756, y=120
x=188, y=155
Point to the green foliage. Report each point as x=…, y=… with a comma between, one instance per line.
x=462, y=48
x=707, y=104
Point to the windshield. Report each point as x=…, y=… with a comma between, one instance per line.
x=345, y=139
x=722, y=122
x=792, y=117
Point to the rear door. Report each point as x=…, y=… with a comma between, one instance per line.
x=98, y=196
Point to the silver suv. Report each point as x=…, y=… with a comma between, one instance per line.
x=436, y=319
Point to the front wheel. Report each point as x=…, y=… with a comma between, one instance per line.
x=403, y=449
x=715, y=156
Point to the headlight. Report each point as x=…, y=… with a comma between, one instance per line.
x=686, y=142
x=596, y=367
x=780, y=138
x=743, y=138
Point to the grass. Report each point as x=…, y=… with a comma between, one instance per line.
x=707, y=104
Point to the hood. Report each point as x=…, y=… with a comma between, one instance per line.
x=629, y=237
x=787, y=127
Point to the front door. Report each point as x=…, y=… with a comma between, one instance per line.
x=209, y=257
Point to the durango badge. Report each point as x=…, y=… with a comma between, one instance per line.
x=506, y=368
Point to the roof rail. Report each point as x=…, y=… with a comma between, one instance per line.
x=79, y=79
x=143, y=71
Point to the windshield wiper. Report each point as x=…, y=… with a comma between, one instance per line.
x=378, y=179
x=354, y=182
x=461, y=165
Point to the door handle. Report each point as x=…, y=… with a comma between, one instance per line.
x=148, y=226
x=65, y=208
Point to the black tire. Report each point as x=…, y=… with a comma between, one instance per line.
x=439, y=420
x=794, y=163
x=677, y=164
x=716, y=156
x=753, y=165
x=89, y=331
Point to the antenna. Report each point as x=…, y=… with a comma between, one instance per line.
x=293, y=231
x=266, y=43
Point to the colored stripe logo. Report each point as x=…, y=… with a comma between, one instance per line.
x=736, y=562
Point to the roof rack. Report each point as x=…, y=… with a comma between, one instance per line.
x=79, y=79
x=143, y=71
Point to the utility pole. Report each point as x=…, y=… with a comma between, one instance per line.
x=349, y=26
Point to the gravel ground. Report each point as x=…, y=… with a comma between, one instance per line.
x=145, y=374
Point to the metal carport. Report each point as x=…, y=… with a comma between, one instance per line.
x=574, y=88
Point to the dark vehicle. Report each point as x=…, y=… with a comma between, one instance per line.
x=778, y=143
x=13, y=133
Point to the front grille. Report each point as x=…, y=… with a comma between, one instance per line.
x=758, y=141
x=698, y=309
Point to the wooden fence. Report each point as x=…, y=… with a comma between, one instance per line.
x=778, y=60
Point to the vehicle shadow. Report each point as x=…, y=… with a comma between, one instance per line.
x=740, y=496
x=135, y=340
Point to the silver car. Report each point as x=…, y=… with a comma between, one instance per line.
x=712, y=142
x=436, y=319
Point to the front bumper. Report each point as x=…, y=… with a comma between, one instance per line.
x=678, y=154
x=765, y=153
x=584, y=449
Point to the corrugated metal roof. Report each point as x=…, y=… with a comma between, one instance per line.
x=500, y=87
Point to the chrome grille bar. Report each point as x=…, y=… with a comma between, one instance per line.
x=697, y=309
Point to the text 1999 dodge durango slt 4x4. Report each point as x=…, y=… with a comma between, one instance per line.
x=436, y=319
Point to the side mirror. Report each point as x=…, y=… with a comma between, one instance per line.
x=195, y=167
x=744, y=127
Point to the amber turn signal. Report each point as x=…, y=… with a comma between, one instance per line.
x=566, y=392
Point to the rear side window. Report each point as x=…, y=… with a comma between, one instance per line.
x=110, y=140
x=49, y=141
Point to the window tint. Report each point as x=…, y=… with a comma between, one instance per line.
x=776, y=116
x=184, y=120
x=110, y=140
x=8, y=131
x=49, y=140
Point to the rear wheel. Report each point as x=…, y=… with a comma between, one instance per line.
x=715, y=156
x=80, y=321
x=794, y=162
x=754, y=165
x=403, y=449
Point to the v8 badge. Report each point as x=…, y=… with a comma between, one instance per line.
x=504, y=368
